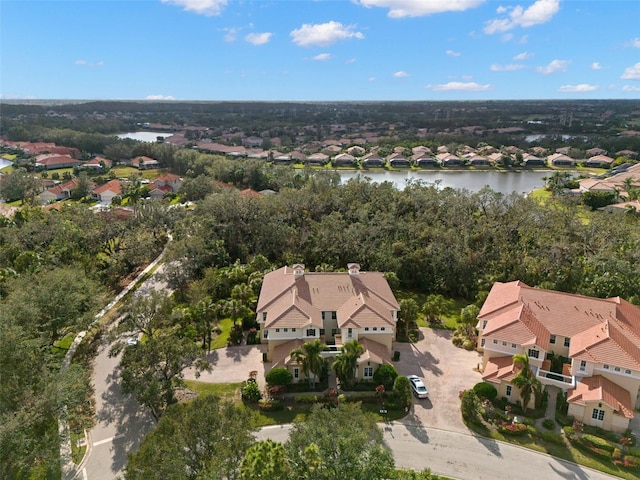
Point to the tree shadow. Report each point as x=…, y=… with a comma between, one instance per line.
x=489, y=444
x=238, y=353
x=572, y=471
x=212, y=357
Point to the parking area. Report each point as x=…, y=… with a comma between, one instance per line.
x=445, y=370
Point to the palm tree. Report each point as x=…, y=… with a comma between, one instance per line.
x=346, y=363
x=310, y=359
x=526, y=381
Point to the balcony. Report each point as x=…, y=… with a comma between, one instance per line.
x=559, y=380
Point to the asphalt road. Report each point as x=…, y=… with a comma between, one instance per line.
x=463, y=456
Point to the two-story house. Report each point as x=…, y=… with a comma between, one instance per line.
x=295, y=306
x=597, y=341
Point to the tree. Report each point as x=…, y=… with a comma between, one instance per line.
x=434, y=307
x=153, y=369
x=147, y=313
x=402, y=389
x=346, y=362
x=526, y=381
x=279, y=376
x=341, y=442
x=203, y=439
x=20, y=185
x=84, y=187
x=408, y=314
x=266, y=460
x=310, y=359
x=386, y=375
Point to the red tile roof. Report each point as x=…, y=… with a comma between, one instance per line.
x=498, y=369
x=601, y=389
x=111, y=186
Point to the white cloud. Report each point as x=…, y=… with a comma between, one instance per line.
x=501, y=9
x=350, y=61
x=596, y=66
x=512, y=67
x=372, y=79
x=459, y=86
x=453, y=53
x=323, y=34
x=201, y=7
x=401, y=74
x=523, y=56
x=553, y=67
x=230, y=34
x=89, y=64
x=159, y=97
x=420, y=8
x=580, y=88
x=540, y=12
x=322, y=57
x=258, y=38
x=631, y=88
x=635, y=43
x=631, y=73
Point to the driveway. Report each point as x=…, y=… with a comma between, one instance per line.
x=232, y=365
x=446, y=370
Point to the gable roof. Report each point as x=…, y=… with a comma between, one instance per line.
x=498, y=369
x=601, y=389
x=607, y=343
x=111, y=186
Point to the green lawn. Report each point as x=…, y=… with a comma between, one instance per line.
x=230, y=391
x=221, y=340
x=61, y=347
x=125, y=171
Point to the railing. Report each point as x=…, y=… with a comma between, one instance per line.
x=557, y=379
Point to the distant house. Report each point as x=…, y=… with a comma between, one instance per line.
x=421, y=149
x=398, y=160
x=372, y=160
x=144, y=163
x=104, y=193
x=174, y=182
x=596, y=185
x=282, y=159
x=560, y=160
x=627, y=153
x=344, y=160
x=52, y=161
x=298, y=157
x=599, y=161
x=449, y=160
x=356, y=151
x=633, y=205
x=58, y=192
x=529, y=160
x=317, y=159
x=592, y=152
x=476, y=160
x=424, y=159
x=97, y=163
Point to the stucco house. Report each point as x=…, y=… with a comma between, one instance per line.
x=597, y=339
x=105, y=192
x=560, y=160
x=599, y=161
x=52, y=161
x=296, y=306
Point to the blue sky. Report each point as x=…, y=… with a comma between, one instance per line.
x=319, y=50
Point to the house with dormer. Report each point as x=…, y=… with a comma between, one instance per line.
x=296, y=306
x=597, y=341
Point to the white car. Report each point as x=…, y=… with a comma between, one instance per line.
x=419, y=390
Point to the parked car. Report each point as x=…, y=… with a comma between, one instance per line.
x=418, y=387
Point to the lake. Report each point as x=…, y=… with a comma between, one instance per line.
x=150, y=137
x=5, y=163
x=503, y=182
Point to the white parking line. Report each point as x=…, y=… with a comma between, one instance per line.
x=84, y=474
x=102, y=442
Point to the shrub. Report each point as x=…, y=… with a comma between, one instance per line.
x=457, y=341
x=469, y=345
x=385, y=375
x=485, y=390
x=551, y=437
x=363, y=397
x=597, y=442
x=279, y=376
x=513, y=428
x=631, y=461
x=250, y=391
x=306, y=398
x=469, y=405
x=270, y=405
x=617, y=454
x=568, y=431
x=548, y=424
x=402, y=389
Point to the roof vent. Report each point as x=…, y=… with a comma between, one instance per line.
x=298, y=270
x=354, y=268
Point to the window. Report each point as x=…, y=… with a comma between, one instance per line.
x=322, y=331
x=375, y=329
x=311, y=332
x=605, y=366
x=597, y=414
x=482, y=342
x=583, y=365
x=293, y=329
x=533, y=353
x=552, y=339
x=366, y=329
x=567, y=341
x=368, y=372
x=286, y=330
x=296, y=373
x=264, y=316
x=617, y=369
x=513, y=345
x=277, y=330
x=504, y=344
x=266, y=333
x=508, y=390
x=484, y=324
x=382, y=329
x=627, y=372
x=349, y=332
x=334, y=315
x=495, y=342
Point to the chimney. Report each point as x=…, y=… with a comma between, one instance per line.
x=354, y=268
x=298, y=270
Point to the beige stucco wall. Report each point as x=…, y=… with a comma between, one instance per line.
x=612, y=421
